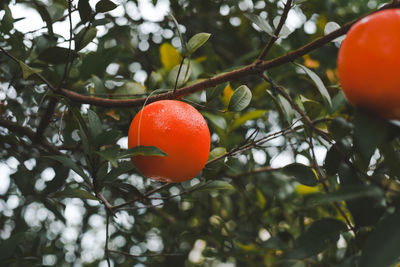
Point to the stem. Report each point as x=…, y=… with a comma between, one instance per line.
x=179, y=72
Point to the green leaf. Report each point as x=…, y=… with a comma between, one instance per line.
x=105, y=6
x=369, y=132
x=339, y=128
x=74, y=193
x=109, y=137
x=141, y=151
x=110, y=154
x=317, y=238
x=26, y=70
x=216, y=185
x=287, y=109
x=302, y=173
x=216, y=120
x=366, y=211
x=213, y=92
x=85, y=11
x=261, y=23
x=312, y=108
x=392, y=159
x=297, y=2
x=349, y=193
x=197, y=41
x=85, y=140
x=318, y=82
x=58, y=181
x=382, y=245
x=339, y=101
x=217, y=152
x=240, y=99
x=85, y=37
x=95, y=126
x=67, y=162
x=7, y=247
x=55, y=208
x=99, y=87
x=212, y=169
x=332, y=161
x=261, y=201
x=124, y=167
x=7, y=23
x=184, y=75
x=251, y=115
x=57, y=55
x=155, y=79
x=130, y=90
x=45, y=15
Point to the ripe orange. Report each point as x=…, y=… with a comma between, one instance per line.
x=179, y=130
x=369, y=64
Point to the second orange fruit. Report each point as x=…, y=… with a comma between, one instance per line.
x=369, y=64
x=179, y=130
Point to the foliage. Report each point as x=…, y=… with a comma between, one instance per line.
x=296, y=176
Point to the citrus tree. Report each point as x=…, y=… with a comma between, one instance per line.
x=295, y=176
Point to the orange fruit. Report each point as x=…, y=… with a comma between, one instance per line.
x=369, y=64
x=179, y=130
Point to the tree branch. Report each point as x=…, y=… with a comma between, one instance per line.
x=251, y=69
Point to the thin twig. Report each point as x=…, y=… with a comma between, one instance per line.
x=179, y=71
x=278, y=29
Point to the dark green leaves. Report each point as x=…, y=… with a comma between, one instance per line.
x=302, y=173
x=349, y=193
x=382, y=245
x=110, y=154
x=240, y=99
x=197, y=41
x=317, y=238
x=213, y=92
x=57, y=55
x=124, y=167
x=7, y=23
x=74, y=193
x=368, y=133
x=85, y=11
x=105, y=6
x=7, y=247
x=85, y=37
